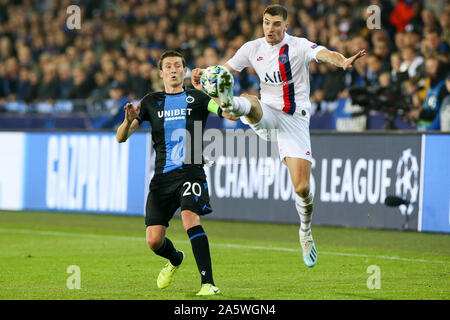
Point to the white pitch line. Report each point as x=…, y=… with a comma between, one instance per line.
x=227, y=245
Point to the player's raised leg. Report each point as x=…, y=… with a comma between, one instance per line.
x=237, y=106
x=163, y=247
x=200, y=248
x=300, y=171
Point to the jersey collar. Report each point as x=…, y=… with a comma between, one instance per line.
x=278, y=45
x=175, y=94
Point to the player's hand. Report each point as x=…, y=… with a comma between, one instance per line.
x=130, y=112
x=196, y=74
x=348, y=62
x=229, y=116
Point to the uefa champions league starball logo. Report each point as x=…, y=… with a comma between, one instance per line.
x=407, y=184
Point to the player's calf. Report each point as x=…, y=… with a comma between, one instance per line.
x=255, y=114
x=304, y=206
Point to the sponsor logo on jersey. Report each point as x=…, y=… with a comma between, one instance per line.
x=190, y=99
x=314, y=46
x=174, y=114
x=274, y=78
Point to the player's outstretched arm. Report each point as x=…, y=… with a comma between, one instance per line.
x=129, y=124
x=338, y=59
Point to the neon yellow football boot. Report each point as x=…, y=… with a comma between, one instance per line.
x=166, y=275
x=208, y=289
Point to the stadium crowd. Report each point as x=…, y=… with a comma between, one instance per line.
x=114, y=55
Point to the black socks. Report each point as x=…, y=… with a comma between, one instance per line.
x=200, y=248
x=168, y=251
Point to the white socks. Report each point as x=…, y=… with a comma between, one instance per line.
x=304, y=208
x=241, y=106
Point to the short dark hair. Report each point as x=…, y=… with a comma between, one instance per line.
x=431, y=30
x=170, y=53
x=277, y=10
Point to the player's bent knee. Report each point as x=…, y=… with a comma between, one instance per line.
x=155, y=242
x=302, y=189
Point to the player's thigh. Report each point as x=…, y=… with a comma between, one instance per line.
x=293, y=137
x=162, y=202
x=194, y=196
x=294, y=146
x=267, y=127
x=190, y=219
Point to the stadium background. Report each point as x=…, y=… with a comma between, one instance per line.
x=61, y=93
x=55, y=77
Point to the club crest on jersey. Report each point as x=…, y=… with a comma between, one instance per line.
x=259, y=58
x=283, y=58
x=314, y=46
x=190, y=99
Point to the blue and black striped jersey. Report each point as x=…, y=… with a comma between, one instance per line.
x=177, y=123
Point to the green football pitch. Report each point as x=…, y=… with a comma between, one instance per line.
x=250, y=261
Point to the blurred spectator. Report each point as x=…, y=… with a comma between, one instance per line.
x=374, y=68
x=445, y=25
x=115, y=104
x=436, y=72
x=49, y=86
x=65, y=81
x=23, y=85
x=436, y=6
x=33, y=92
x=101, y=90
x=140, y=83
x=120, y=42
x=381, y=49
x=429, y=19
x=402, y=14
x=384, y=79
x=411, y=61
x=433, y=43
x=333, y=83
x=411, y=36
x=81, y=85
x=397, y=75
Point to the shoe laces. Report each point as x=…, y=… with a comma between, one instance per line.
x=306, y=242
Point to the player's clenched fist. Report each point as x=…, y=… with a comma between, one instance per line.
x=130, y=112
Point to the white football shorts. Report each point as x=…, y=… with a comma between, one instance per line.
x=291, y=131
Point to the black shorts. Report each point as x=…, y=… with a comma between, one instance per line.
x=173, y=190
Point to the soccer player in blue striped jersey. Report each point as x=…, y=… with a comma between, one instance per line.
x=175, y=115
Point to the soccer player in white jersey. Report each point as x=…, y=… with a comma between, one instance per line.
x=282, y=64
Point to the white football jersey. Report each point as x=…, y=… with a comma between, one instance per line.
x=283, y=70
